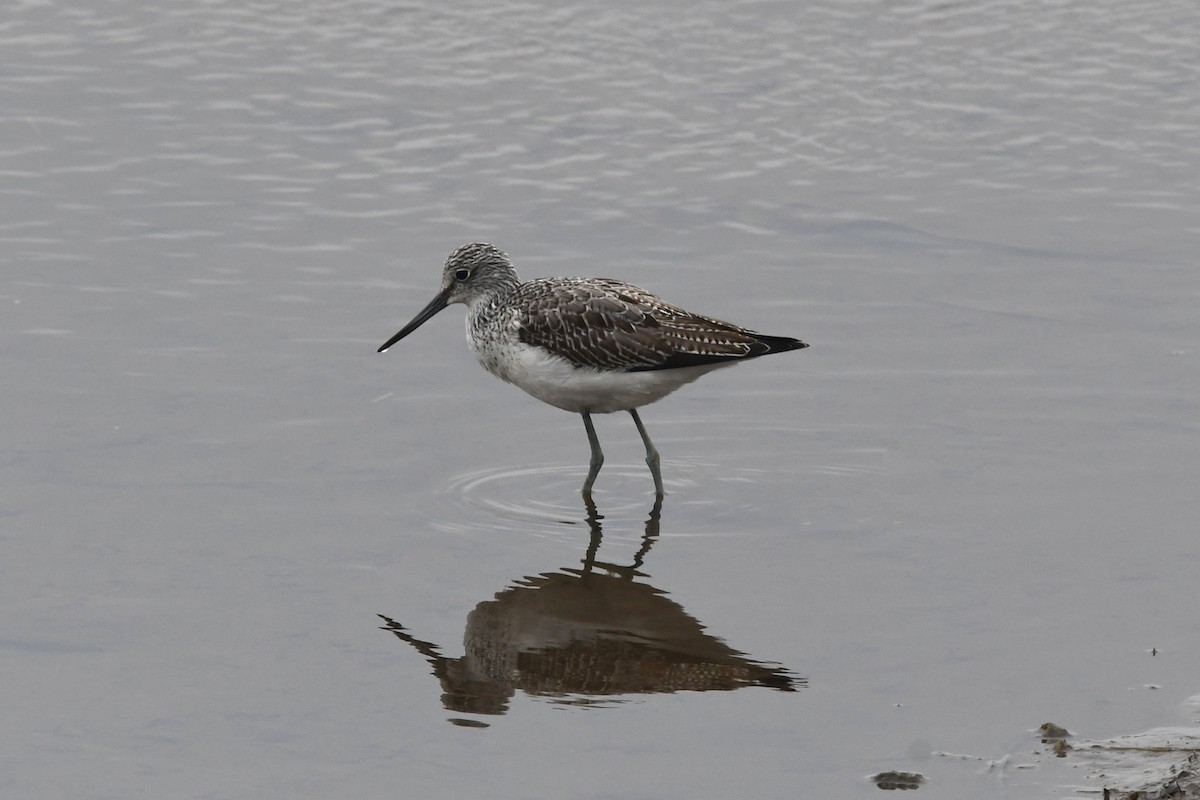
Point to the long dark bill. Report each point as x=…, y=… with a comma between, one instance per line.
x=435, y=305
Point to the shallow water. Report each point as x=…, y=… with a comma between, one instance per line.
x=969, y=508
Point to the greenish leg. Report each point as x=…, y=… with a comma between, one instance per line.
x=597, y=455
x=652, y=459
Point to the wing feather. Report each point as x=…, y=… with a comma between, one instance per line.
x=610, y=325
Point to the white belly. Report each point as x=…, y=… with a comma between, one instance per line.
x=558, y=382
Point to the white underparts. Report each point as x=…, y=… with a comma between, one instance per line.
x=556, y=381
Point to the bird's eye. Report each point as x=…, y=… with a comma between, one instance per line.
x=462, y=274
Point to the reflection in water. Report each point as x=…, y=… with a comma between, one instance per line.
x=582, y=635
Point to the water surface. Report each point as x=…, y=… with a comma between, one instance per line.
x=968, y=509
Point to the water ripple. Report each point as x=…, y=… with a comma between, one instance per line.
x=974, y=108
x=502, y=497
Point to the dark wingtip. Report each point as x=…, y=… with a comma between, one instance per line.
x=761, y=346
x=779, y=344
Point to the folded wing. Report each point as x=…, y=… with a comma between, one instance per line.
x=610, y=325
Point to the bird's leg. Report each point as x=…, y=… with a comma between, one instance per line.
x=597, y=455
x=651, y=454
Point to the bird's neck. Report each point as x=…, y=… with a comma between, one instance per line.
x=484, y=307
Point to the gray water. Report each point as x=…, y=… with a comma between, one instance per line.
x=968, y=509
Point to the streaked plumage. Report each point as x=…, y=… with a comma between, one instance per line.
x=587, y=345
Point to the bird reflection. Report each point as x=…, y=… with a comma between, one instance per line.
x=587, y=636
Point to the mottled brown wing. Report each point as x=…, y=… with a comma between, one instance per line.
x=610, y=325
